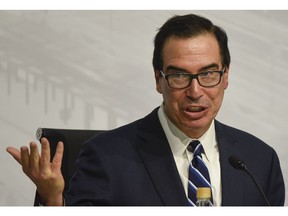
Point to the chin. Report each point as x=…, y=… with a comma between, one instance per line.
x=197, y=124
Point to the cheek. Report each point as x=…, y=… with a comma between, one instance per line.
x=217, y=96
x=171, y=97
x=217, y=100
x=163, y=88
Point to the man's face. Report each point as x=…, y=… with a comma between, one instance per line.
x=192, y=109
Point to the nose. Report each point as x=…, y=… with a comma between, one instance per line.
x=194, y=90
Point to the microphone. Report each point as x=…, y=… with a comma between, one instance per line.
x=239, y=164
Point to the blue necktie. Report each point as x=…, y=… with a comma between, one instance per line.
x=198, y=172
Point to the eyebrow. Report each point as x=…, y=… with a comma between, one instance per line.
x=213, y=65
x=207, y=67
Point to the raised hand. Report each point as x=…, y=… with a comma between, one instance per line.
x=45, y=175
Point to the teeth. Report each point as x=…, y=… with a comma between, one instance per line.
x=194, y=109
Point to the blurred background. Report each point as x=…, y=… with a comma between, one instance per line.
x=91, y=69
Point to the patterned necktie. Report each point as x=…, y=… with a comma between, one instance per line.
x=198, y=172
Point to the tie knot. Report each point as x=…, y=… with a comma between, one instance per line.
x=195, y=147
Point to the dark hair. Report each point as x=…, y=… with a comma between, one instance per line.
x=187, y=26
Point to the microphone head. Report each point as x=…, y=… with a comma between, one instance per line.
x=236, y=162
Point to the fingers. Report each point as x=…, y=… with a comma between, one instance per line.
x=45, y=154
x=25, y=159
x=29, y=161
x=57, y=159
x=34, y=163
x=15, y=153
x=34, y=158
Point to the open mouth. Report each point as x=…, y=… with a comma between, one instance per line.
x=195, y=109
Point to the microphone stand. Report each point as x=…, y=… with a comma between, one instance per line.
x=239, y=164
x=258, y=186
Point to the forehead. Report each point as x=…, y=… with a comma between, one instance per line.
x=191, y=52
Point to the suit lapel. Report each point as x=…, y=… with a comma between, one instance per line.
x=159, y=162
x=232, y=179
x=160, y=165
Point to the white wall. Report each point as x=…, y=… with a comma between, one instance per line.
x=92, y=69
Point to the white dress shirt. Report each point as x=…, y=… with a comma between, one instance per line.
x=179, y=142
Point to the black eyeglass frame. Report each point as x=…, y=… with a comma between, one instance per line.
x=194, y=76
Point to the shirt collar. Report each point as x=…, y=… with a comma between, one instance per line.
x=179, y=141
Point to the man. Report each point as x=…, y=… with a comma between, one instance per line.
x=147, y=162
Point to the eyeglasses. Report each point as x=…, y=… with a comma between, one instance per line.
x=183, y=80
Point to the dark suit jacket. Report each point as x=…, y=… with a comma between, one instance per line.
x=133, y=165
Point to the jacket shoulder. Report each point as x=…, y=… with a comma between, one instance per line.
x=233, y=135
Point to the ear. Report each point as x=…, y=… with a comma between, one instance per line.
x=226, y=78
x=158, y=78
